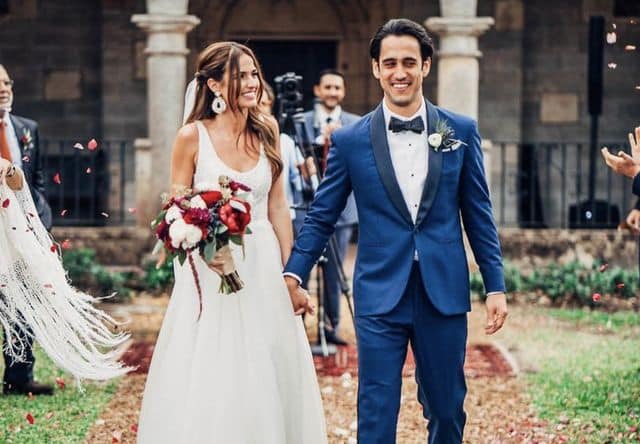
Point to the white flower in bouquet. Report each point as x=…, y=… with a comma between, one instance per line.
x=173, y=214
x=198, y=202
x=178, y=232
x=192, y=237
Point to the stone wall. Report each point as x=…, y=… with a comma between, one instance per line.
x=530, y=248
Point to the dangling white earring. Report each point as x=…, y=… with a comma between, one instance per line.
x=218, y=105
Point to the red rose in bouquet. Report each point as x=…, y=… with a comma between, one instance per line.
x=235, y=214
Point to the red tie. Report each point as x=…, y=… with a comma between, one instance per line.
x=5, y=151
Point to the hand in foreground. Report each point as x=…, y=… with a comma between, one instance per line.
x=5, y=167
x=633, y=220
x=299, y=297
x=496, y=312
x=623, y=163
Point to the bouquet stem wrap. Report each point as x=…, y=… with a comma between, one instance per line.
x=230, y=281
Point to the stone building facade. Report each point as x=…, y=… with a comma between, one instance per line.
x=81, y=70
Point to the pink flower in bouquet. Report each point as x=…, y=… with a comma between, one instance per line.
x=236, y=215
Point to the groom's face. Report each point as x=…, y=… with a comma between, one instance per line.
x=401, y=70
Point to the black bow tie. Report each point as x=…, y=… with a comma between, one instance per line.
x=416, y=125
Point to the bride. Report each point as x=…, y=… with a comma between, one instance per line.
x=242, y=371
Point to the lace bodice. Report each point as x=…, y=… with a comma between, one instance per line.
x=209, y=167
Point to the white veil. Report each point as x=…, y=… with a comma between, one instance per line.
x=189, y=100
x=36, y=297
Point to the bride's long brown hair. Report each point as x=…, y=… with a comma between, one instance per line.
x=212, y=63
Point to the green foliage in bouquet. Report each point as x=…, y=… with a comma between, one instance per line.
x=86, y=273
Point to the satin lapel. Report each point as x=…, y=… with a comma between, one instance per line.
x=435, y=168
x=384, y=164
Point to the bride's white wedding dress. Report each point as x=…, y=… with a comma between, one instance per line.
x=243, y=373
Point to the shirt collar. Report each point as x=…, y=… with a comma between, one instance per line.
x=322, y=115
x=422, y=112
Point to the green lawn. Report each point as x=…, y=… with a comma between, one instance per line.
x=589, y=373
x=73, y=412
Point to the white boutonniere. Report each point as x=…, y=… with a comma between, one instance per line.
x=444, y=138
x=26, y=139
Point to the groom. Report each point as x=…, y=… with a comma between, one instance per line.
x=414, y=169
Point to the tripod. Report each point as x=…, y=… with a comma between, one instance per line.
x=293, y=122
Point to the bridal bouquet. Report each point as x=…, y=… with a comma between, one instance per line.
x=206, y=223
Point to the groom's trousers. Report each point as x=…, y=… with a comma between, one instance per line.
x=438, y=343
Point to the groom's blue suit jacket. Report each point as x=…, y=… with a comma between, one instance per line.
x=455, y=186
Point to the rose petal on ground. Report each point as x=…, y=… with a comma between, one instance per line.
x=596, y=297
x=92, y=145
x=116, y=436
x=620, y=285
x=134, y=428
x=30, y=419
x=57, y=179
x=61, y=384
x=603, y=267
x=48, y=415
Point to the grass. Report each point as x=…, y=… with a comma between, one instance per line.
x=73, y=412
x=586, y=380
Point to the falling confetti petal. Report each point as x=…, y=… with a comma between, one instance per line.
x=78, y=146
x=56, y=179
x=30, y=418
x=612, y=65
x=92, y=145
x=5, y=203
x=116, y=436
x=588, y=215
x=61, y=384
x=105, y=215
x=596, y=297
x=620, y=285
x=48, y=415
x=63, y=213
x=132, y=210
x=638, y=87
x=66, y=244
x=603, y=267
x=611, y=37
x=615, y=26
x=54, y=249
x=134, y=428
x=630, y=48
x=26, y=159
x=48, y=286
x=88, y=170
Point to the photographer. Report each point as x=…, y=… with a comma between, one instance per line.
x=320, y=123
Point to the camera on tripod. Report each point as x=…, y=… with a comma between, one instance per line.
x=289, y=96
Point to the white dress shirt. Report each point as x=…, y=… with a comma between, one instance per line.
x=12, y=139
x=323, y=118
x=409, y=155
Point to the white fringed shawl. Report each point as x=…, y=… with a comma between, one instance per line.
x=36, y=296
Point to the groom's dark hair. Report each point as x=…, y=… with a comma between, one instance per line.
x=401, y=27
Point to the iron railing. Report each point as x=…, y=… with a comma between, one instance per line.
x=93, y=186
x=545, y=185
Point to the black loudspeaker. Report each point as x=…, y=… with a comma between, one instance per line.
x=596, y=58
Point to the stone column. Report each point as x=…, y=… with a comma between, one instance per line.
x=458, y=69
x=167, y=25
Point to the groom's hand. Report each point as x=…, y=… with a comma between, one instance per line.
x=496, y=312
x=299, y=297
